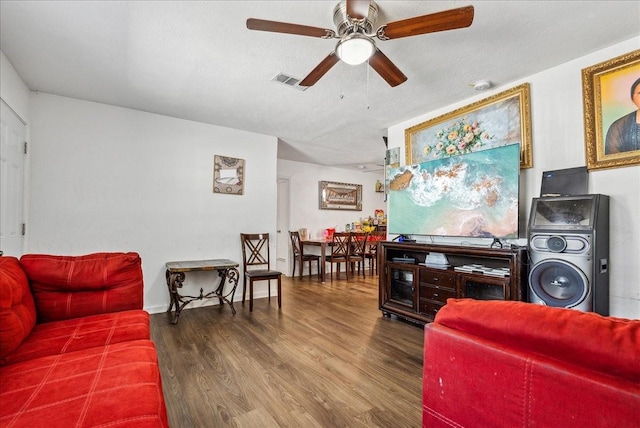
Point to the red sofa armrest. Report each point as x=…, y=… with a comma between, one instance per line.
x=605, y=344
x=67, y=287
x=506, y=364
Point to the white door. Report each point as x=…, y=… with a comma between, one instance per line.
x=282, y=238
x=12, y=137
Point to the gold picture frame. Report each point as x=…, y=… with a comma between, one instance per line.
x=228, y=175
x=340, y=196
x=499, y=120
x=607, y=103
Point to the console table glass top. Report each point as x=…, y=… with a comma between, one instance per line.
x=175, y=274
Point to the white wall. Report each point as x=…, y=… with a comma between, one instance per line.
x=558, y=143
x=106, y=178
x=305, y=211
x=13, y=90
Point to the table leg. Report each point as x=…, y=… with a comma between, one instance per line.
x=323, y=253
x=230, y=275
x=174, y=281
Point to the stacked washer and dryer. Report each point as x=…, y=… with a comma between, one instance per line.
x=568, y=239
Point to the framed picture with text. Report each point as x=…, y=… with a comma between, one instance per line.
x=340, y=196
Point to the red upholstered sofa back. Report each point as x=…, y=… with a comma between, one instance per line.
x=504, y=364
x=75, y=286
x=17, y=310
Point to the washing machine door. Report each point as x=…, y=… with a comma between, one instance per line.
x=558, y=283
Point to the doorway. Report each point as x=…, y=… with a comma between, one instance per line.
x=12, y=154
x=283, y=218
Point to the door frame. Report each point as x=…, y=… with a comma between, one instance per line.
x=12, y=236
x=283, y=220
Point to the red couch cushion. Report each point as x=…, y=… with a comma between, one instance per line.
x=606, y=344
x=76, y=286
x=17, y=310
x=59, y=337
x=116, y=386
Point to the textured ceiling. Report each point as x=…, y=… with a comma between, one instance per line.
x=197, y=61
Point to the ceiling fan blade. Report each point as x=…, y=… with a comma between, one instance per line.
x=386, y=69
x=358, y=9
x=440, y=21
x=320, y=70
x=284, y=27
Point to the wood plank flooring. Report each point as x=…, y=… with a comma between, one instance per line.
x=328, y=358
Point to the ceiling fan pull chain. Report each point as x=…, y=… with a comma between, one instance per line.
x=340, y=83
x=368, y=84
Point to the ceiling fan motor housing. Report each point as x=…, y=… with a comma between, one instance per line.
x=346, y=25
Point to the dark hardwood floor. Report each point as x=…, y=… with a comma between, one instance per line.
x=328, y=358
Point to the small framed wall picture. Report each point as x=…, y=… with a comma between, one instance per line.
x=391, y=160
x=228, y=175
x=340, y=196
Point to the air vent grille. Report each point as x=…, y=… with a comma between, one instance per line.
x=289, y=81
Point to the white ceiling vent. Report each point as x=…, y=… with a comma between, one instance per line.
x=289, y=81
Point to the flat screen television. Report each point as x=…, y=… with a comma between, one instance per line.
x=471, y=195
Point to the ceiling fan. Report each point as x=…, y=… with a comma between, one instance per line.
x=355, y=20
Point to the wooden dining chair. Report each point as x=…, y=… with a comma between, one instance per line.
x=357, y=251
x=300, y=256
x=340, y=243
x=257, y=266
x=372, y=250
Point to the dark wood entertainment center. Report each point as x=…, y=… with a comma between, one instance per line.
x=414, y=291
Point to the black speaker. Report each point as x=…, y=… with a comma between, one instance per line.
x=568, y=241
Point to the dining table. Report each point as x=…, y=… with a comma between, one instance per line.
x=323, y=243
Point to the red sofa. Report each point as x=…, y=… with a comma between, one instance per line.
x=74, y=343
x=516, y=364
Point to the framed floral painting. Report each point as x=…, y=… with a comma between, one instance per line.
x=499, y=120
x=611, y=101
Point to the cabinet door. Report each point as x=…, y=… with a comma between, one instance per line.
x=484, y=288
x=401, y=284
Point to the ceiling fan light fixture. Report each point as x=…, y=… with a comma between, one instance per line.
x=355, y=49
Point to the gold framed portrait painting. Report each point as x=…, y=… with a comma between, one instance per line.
x=611, y=102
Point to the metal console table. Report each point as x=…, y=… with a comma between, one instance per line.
x=176, y=274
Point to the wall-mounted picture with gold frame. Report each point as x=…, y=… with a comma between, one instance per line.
x=611, y=102
x=499, y=120
x=340, y=196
